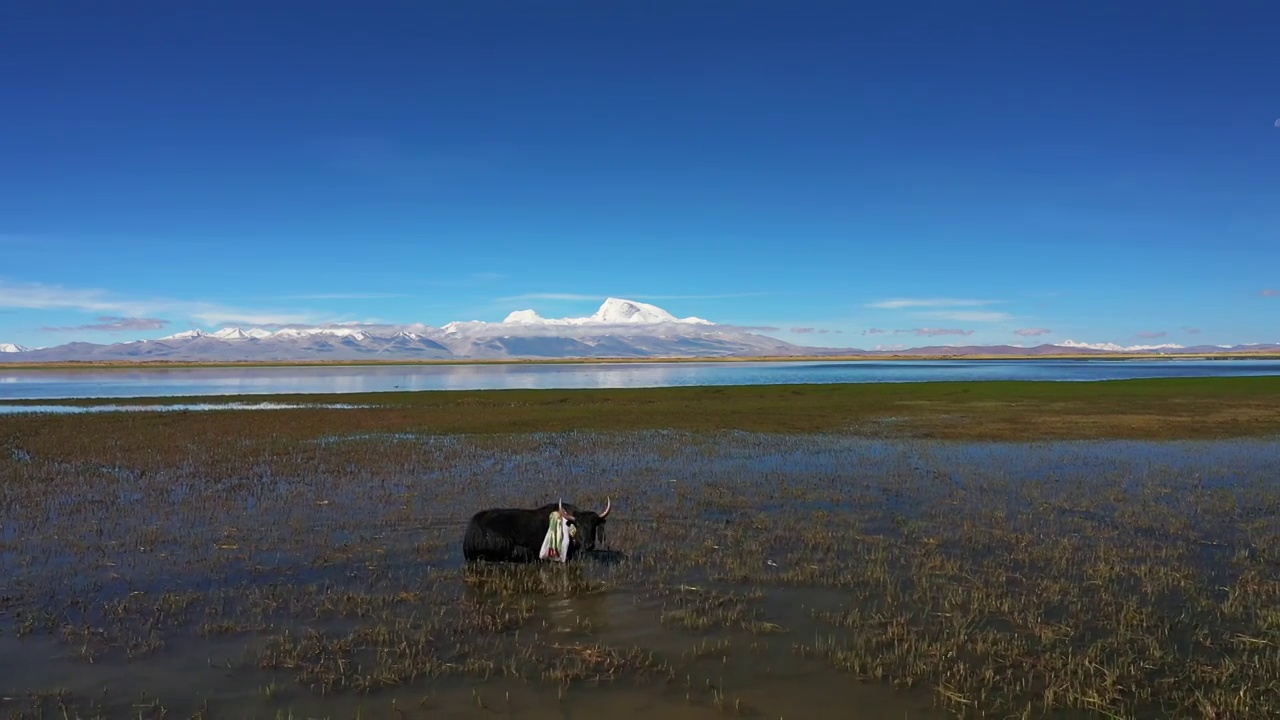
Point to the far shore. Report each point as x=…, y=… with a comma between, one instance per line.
x=1211, y=408
x=183, y=364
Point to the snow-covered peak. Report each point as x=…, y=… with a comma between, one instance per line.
x=342, y=332
x=241, y=334
x=1112, y=347
x=616, y=310
x=458, y=326
x=524, y=316
x=11, y=348
x=635, y=316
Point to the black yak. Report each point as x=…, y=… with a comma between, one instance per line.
x=517, y=534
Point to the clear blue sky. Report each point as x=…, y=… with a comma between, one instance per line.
x=1103, y=171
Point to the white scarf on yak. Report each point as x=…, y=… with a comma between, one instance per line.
x=555, y=546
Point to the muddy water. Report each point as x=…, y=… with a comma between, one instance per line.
x=212, y=679
x=213, y=673
x=217, y=676
x=285, y=580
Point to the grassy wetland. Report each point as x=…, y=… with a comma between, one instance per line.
x=934, y=550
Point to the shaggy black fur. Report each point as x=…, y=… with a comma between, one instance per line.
x=515, y=534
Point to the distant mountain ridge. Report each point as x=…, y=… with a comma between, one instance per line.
x=623, y=329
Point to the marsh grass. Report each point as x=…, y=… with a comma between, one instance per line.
x=1104, y=579
x=1163, y=408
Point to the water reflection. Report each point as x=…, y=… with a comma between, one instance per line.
x=533, y=377
x=33, y=384
x=72, y=409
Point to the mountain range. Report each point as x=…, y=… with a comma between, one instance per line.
x=619, y=329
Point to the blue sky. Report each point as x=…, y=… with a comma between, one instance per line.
x=956, y=172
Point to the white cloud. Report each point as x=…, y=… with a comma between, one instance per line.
x=108, y=323
x=219, y=315
x=34, y=296
x=38, y=296
x=899, y=303
x=967, y=316
x=937, y=309
x=550, y=296
x=934, y=332
x=344, y=296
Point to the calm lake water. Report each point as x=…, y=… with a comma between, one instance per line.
x=156, y=382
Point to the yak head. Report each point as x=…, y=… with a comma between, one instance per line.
x=586, y=527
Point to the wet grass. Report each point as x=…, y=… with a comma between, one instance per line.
x=1166, y=408
x=306, y=563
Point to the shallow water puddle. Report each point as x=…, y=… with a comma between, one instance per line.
x=797, y=576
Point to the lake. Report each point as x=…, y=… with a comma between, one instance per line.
x=33, y=384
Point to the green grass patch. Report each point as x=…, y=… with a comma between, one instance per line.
x=1172, y=408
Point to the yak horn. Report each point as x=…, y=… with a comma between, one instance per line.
x=560, y=504
x=608, y=505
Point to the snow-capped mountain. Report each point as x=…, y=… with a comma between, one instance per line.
x=618, y=329
x=1113, y=347
x=614, y=311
